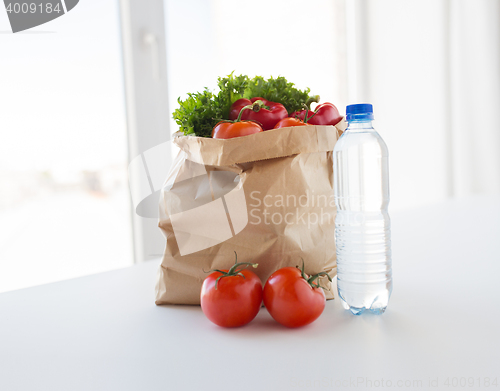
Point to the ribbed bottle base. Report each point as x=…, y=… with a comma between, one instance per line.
x=377, y=306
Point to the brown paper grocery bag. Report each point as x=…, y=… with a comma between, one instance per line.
x=267, y=196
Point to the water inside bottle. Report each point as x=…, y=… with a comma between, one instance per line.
x=362, y=225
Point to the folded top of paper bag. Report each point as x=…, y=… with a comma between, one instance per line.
x=260, y=146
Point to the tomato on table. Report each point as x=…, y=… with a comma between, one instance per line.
x=232, y=298
x=293, y=298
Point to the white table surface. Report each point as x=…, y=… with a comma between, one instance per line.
x=104, y=332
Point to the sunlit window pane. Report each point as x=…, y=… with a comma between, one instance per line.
x=64, y=203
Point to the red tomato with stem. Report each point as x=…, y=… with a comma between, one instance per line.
x=293, y=298
x=296, y=120
x=237, y=128
x=232, y=298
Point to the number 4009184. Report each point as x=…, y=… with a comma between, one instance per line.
x=32, y=8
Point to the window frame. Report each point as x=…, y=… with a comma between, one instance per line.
x=148, y=114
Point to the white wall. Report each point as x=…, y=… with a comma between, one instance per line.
x=207, y=39
x=475, y=54
x=407, y=85
x=431, y=68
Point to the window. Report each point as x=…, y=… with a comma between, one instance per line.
x=93, y=91
x=64, y=198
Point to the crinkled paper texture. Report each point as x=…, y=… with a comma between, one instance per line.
x=223, y=196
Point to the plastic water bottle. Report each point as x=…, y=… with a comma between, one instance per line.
x=362, y=225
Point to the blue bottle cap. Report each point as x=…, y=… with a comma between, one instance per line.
x=359, y=112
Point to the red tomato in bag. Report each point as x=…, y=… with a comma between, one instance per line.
x=231, y=298
x=235, y=129
x=286, y=122
x=292, y=298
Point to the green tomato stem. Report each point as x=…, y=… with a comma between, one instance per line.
x=255, y=106
x=306, y=118
x=310, y=279
x=235, y=269
x=314, y=98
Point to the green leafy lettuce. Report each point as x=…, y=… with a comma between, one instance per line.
x=200, y=111
x=279, y=90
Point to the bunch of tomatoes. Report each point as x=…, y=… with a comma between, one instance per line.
x=249, y=116
x=233, y=298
